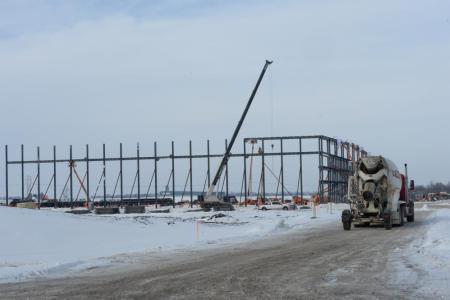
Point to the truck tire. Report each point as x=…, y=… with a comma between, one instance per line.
x=347, y=225
x=410, y=214
x=347, y=218
x=263, y=208
x=402, y=216
x=387, y=221
x=285, y=208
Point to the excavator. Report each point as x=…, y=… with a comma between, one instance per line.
x=210, y=200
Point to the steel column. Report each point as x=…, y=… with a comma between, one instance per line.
x=330, y=172
x=226, y=170
x=38, y=178
x=282, y=170
x=320, y=191
x=173, y=175
x=209, y=162
x=6, y=175
x=245, y=173
x=121, y=173
x=104, y=175
x=23, y=176
x=301, y=169
x=138, y=174
x=263, y=174
x=336, y=172
x=71, y=178
x=88, y=196
x=55, y=196
x=156, y=173
x=190, y=171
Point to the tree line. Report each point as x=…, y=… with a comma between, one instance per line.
x=432, y=187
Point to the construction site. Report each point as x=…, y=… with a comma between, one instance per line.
x=334, y=165
x=68, y=182
x=224, y=150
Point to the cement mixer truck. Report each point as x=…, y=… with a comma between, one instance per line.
x=378, y=194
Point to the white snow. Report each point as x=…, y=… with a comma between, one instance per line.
x=423, y=208
x=36, y=243
x=433, y=256
x=39, y=243
x=427, y=259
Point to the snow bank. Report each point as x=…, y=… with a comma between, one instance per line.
x=426, y=261
x=36, y=243
x=423, y=208
x=432, y=255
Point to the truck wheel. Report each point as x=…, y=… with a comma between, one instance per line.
x=263, y=208
x=347, y=225
x=402, y=215
x=410, y=214
x=347, y=218
x=285, y=208
x=387, y=222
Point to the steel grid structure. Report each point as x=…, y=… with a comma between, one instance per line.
x=334, y=166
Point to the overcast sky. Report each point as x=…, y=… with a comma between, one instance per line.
x=373, y=72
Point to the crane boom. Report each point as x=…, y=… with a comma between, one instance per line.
x=210, y=197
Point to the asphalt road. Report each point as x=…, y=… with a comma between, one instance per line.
x=326, y=263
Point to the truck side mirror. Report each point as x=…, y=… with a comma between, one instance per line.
x=411, y=185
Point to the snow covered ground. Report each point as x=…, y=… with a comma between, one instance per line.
x=37, y=243
x=429, y=256
x=43, y=243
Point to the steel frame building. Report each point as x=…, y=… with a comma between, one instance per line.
x=334, y=157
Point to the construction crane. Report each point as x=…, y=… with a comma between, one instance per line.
x=210, y=200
